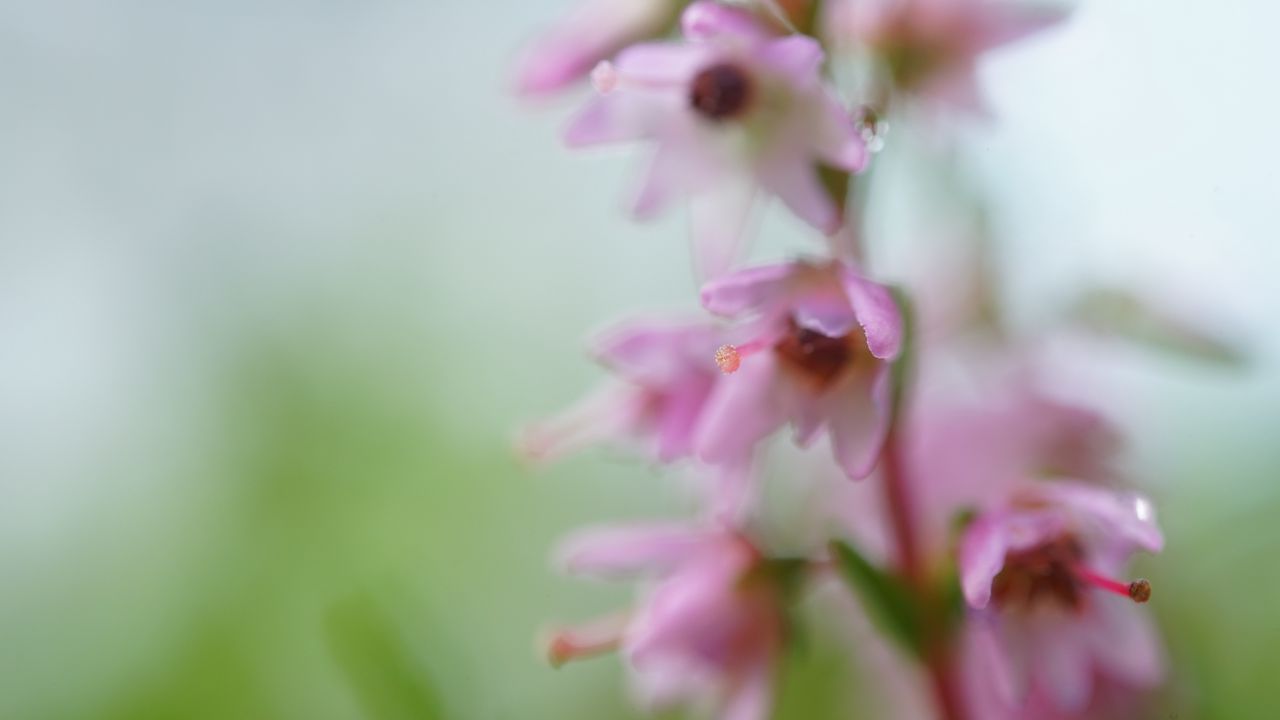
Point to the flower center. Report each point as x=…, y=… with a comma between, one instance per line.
x=1054, y=573
x=819, y=358
x=1041, y=574
x=720, y=92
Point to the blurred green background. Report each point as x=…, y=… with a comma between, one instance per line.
x=279, y=280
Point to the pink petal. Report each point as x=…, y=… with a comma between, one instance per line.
x=611, y=551
x=719, y=219
x=859, y=416
x=679, y=418
x=1017, y=638
x=791, y=176
x=837, y=139
x=751, y=698
x=618, y=116
x=808, y=416
x=1129, y=517
x=797, y=57
x=991, y=661
x=1006, y=22
x=658, y=351
x=878, y=314
x=705, y=21
x=1124, y=642
x=664, y=180
x=745, y=408
x=820, y=304
x=958, y=88
x=747, y=290
x=593, y=31
x=607, y=414
x=982, y=550
x=1064, y=665
x=548, y=67
x=732, y=493
x=660, y=685
x=669, y=66
x=683, y=164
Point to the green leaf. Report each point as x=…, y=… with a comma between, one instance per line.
x=886, y=598
x=388, y=680
x=1121, y=314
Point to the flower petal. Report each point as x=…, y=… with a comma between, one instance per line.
x=1130, y=517
x=877, y=312
x=858, y=416
x=790, y=175
x=1124, y=641
x=719, y=218
x=836, y=137
x=982, y=550
x=611, y=412
x=746, y=290
x=708, y=21
x=658, y=351
x=745, y=408
x=612, y=551
x=751, y=697
x=618, y=116
x=796, y=57
x=665, y=65
x=593, y=31
x=1064, y=665
x=679, y=416
x=1005, y=22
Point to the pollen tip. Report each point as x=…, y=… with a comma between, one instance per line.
x=559, y=650
x=728, y=359
x=1140, y=590
x=604, y=77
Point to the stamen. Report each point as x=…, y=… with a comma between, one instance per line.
x=1138, y=591
x=564, y=647
x=729, y=357
x=589, y=640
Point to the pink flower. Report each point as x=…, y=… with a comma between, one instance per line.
x=821, y=342
x=734, y=111
x=709, y=630
x=665, y=373
x=593, y=31
x=930, y=48
x=1039, y=568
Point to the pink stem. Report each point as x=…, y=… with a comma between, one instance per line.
x=938, y=649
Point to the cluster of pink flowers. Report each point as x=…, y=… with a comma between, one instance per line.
x=998, y=529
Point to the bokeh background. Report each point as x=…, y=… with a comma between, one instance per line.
x=279, y=280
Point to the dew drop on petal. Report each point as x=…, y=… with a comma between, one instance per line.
x=1142, y=509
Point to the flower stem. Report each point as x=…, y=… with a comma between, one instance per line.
x=938, y=648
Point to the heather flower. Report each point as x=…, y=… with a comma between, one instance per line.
x=709, y=630
x=592, y=32
x=664, y=373
x=735, y=112
x=819, y=343
x=1039, y=569
x=930, y=48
